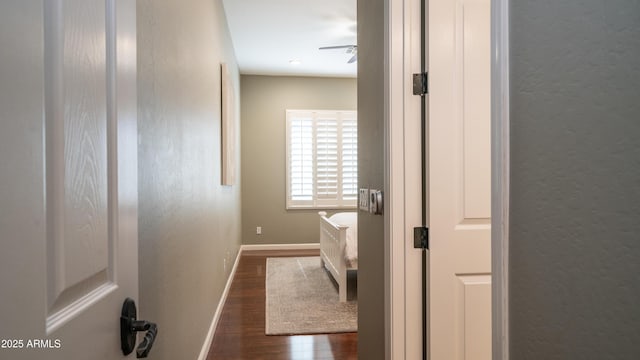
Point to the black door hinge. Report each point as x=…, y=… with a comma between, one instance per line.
x=420, y=84
x=421, y=237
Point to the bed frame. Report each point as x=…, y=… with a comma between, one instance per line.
x=333, y=241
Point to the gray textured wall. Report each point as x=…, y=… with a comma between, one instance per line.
x=263, y=105
x=371, y=342
x=189, y=224
x=575, y=181
x=23, y=216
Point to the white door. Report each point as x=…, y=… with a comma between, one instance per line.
x=459, y=190
x=68, y=157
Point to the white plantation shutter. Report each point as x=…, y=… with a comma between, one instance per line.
x=301, y=159
x=349, y=158
x=321, y=159
x=326, y=158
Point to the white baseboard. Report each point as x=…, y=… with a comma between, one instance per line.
x=309, y=246
x=216, y=317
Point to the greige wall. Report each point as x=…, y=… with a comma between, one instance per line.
x=575, y=180
x=371, y=246
x=264, y=101
x=188, y=223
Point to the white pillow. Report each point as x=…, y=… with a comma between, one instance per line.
x=345, y=218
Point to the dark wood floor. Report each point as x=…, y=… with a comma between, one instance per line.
x=240, y=332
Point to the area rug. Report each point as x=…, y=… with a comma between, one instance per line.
x=302, y=299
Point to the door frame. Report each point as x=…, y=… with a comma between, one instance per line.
x=402, y=115
x=500, y=171
x=401, y=50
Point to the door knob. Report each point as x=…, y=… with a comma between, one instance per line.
x=130, y=325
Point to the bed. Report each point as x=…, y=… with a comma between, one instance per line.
x=339, y=247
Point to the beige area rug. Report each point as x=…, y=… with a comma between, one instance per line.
x=302, y=299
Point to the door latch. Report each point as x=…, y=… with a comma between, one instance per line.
x=130, y=325
x=376, y=204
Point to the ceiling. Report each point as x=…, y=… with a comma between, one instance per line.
x=268, y=34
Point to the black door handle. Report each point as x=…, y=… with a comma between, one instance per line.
x=130, y=325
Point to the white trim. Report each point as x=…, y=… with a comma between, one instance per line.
x=500, y=177
x=81, y=305
x=402, y=180
x=410, y=307
x=309, y=246
x=216, y=316
x=395, y=93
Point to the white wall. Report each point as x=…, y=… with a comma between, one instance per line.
x=189, y=224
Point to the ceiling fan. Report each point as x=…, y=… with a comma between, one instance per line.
x=351, y=49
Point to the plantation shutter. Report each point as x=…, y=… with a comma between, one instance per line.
x=349, y=158
x=301, y=158
x=321, y=159
x=327, y=158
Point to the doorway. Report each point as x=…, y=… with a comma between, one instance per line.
x=457, y=183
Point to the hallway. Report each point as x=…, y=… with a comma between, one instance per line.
x=241, y=330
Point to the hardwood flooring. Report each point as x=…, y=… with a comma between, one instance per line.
x=240, y=331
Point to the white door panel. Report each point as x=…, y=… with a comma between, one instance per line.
x=473, y=299
x=76, y=179
x=86, y=243
x=459, y=180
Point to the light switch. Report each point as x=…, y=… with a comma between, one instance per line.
x=363, y=199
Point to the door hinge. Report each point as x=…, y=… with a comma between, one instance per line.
x=421, y=237
x=420, y=84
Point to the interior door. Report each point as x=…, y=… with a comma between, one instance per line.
x=459, y=186
x=68, y=213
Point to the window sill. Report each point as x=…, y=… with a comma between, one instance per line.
x=293, y=208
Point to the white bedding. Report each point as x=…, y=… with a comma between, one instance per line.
x=349, y=219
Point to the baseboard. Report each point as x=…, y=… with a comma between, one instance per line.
x=216, y=317
x=309, y=246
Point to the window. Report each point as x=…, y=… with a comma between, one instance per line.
x=322, y=159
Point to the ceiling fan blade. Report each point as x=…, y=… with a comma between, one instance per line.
x=337, y=47
x=353, y=59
